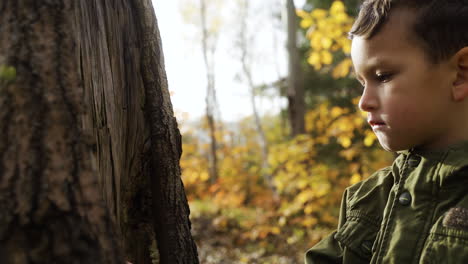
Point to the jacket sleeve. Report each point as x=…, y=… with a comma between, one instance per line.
x=329, y=250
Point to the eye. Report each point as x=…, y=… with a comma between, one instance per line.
x=383, y=77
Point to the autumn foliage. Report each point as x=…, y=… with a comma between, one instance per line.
x=310, y=173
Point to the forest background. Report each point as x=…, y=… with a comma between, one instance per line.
x=264, y=187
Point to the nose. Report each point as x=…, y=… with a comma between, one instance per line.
x=369, y=101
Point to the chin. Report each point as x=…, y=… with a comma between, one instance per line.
x=388, y=148
x=393, y=146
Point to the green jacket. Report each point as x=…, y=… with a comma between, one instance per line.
x=415, y=211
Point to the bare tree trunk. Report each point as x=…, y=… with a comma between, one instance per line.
x=210, y=99
x=248, y=75
x=90, y=108
x=295, y=91
x=172, y=224
x=276, y=8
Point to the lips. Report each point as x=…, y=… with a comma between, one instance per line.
x=374, y=123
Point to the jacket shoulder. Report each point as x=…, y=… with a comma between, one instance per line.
x=370, y=196
x=377, y=178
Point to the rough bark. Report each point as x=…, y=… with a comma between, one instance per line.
x=110, y=57
x=171, y=221
x=295, y=91
x=89, y=117
x=51, y=210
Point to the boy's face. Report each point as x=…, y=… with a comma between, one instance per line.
x=408, y=99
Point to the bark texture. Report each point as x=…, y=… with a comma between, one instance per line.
x=170, y=206
x=88, y=117
x=51, y=210
x=110, y=65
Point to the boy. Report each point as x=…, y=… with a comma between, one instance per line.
x=411, y=57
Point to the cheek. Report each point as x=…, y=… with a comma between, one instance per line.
x=410, y=115
x=399, y=112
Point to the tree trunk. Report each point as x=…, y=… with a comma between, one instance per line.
x=210, y=98
x=90, y=107
x=50, y=204
x=295, y=91
x=171, y=220
x=246, y=70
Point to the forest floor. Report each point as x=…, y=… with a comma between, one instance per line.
x=225, y=245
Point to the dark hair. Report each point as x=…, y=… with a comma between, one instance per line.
x=440, y=26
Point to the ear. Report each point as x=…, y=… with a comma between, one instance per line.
x=460, y=85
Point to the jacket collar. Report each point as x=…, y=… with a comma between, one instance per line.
x=451, y=158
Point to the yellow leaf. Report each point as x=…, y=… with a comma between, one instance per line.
x=305, y=196
x=326, y=42
x=341, y=17
x=204, y=176
x=337, y=7
x=326, y=57
x=308, y=222
x=342, y=69
x=279, y=185
x=275, y=230
x=347, y=47
x=306, y=22
x=316, y=41
x=345, y=141
x=323, y=140
x=319, y=13
x=319, y=125
x=336, y=32
x=308, y=209
x=344, y=124
x=321, y=190
x=363, y=114
x=336, y=111
x=355, y=178
x=302, y=184
x=314, y=59
x=369, y=139
x=358, y=121
x=322, y=24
